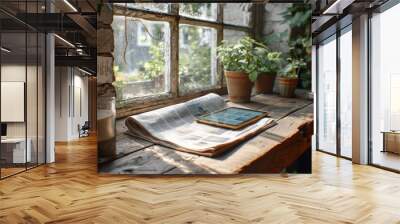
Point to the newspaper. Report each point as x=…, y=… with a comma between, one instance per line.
x=176, y=127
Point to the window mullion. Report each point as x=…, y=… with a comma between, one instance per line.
x=220, y=37
x=198, y=22
x=137, y=13
x=220, y=13
x=174, y=9
x=174, y=57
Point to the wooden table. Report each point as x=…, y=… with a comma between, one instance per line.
x=269, y=152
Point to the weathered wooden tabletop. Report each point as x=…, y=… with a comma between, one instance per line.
x=270, y=151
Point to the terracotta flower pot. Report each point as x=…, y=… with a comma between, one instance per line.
x=265, y=83
x=287, y=86
x=239, y=86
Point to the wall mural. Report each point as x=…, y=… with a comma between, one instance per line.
x=163, y=68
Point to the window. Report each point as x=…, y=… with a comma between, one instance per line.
x=204, y=11
x=155, y=7
x=327, y=96
x=149, y=32
x=183, y=37
x=143, y=36
x=385, y=88
x=22, y=100
x=334, y=94
x=197, y=64
x=346, y=93
x=149, y=64
x=141, y=63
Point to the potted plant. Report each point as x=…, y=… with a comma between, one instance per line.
x=301, y=48
x=238, y=62
x=288, y=77
x=269, y=63
x=298, y=18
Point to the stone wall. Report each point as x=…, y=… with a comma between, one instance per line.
x=274, y=23
x=106, y=112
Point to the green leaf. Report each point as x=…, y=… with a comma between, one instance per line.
x=253, y=76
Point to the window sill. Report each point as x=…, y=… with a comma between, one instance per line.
x=144, y=104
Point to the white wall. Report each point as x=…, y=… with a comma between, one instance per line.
x=50, y=97
x=16, y=73
x=33, y=126
x=69, y=112
x=79, y=117
x=62, y=81
x=12, y=73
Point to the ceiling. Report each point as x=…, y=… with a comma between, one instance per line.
x=74, y=22
x=327, y=17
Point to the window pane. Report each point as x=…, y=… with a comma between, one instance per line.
x=238, y=14
x=205, y=11
x=346, y=94
x=141, y=57
x=31, y=100
x=41, y=99
x=13, y=85
x=327, y=96
x=156, y=7
x=197, y=58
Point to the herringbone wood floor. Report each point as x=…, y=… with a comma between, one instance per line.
x=70, y=191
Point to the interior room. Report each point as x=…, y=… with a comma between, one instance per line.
x=331, y=141
x=340, y=53
x=385, y=82
x=23, y=59
x=73, y=92
x=43, y=76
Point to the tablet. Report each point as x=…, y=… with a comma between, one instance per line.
x=232, y=117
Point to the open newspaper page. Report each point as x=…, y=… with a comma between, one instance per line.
x=176, y=127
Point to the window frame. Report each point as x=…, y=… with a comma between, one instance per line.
x=145, y=103
x=371, y=14
x=39, y=46
x=333, y=33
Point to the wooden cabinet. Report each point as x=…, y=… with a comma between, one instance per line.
x=391, y=141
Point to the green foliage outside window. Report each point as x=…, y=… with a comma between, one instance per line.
x=156, y=65
x=197, y=9
x=194, y=60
